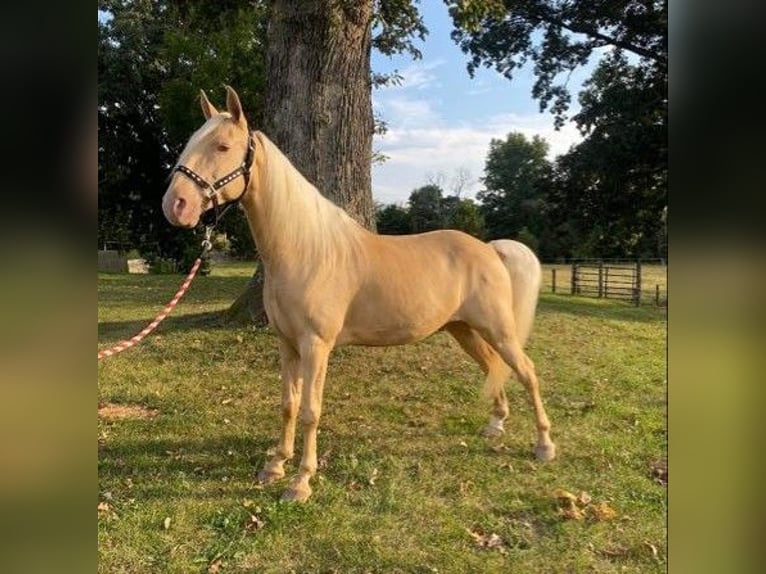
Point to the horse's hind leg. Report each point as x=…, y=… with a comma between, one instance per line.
x=507, y=344
x=500, y=333
x=494, y=368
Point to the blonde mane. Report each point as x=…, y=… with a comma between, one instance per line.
x=311, y=227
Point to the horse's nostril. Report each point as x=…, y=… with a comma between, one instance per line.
x=179, y=206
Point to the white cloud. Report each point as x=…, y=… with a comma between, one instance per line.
x=408, y=113
x=419, y=151
x=419, y=76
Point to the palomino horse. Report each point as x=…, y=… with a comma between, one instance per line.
x=328, y=281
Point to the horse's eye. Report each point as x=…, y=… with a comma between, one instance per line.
x=223, y=147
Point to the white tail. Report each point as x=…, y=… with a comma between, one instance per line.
x=526, y=277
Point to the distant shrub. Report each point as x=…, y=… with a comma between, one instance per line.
x=162, y=265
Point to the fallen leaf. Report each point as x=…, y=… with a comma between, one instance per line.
x=488, y=541
x=659, y=471
x=564, y=495
x=103, y=507
x=602, y=511
x=616, y=552
x=572, y=512
x=254, y=523
x=166, y=523
x=572, y=507
x=652, y=548
x=226, y=401
x=324, y=459
x=214, y=567
x=373, y=477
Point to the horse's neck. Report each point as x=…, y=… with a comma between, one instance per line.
x=292, y=224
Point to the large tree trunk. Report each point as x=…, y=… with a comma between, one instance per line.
x=318, y=108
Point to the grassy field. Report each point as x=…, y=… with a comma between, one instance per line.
x=406, y=483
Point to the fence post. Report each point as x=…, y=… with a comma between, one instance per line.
x=657, y=295
x=600, y=278
x=574, y=278
x=637, y=296
x=553, y=280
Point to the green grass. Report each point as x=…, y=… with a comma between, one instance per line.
x=405, y=478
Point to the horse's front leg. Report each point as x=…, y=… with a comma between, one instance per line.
x=291, y=398
x=314, y=354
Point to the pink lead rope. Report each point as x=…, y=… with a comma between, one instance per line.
x=122, y=345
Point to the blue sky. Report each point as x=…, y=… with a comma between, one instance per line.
x=440, y=121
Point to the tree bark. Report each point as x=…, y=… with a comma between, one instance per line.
x=318, y=108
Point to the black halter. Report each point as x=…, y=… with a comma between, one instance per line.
x=210, y=190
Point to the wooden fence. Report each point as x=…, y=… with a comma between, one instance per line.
x=611, y=281
x=624, y=279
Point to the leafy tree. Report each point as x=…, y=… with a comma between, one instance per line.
x=153, y=57
x=393, y=220
x=513, y=198
x=466, y=216
x=558, y=37
x=608, y=193
x=318, y=99
x=426, y=209
x=611, y=190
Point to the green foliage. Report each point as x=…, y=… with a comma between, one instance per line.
x=605, y=198
x=161, y=265
x=395, y=24
x=611, y=189
x=557, y=37
x=241, y=244
x=513, y=198
x=153, y=58
x=392, y=220
x=426, y=209
x=467, y=217
x=526, y=237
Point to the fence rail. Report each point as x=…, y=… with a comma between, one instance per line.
x=633, y=281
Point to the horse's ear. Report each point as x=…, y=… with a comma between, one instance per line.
x=234, y=106
x=208, y=109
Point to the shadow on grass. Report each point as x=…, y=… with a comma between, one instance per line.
x=113, y=331
x=600, y=308
x=230, y=462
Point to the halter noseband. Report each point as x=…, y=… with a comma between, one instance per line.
x=210, y=190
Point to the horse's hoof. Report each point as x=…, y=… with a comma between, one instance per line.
x=268, y=476
x=295, y=494
x=545, y=452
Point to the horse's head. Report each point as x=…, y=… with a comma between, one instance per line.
x=214, y=167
